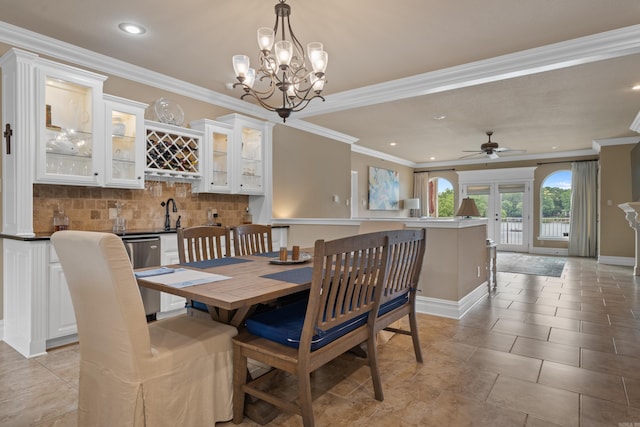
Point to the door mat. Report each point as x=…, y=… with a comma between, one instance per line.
x=514, y=262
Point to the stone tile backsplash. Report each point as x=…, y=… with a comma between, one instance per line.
x=88, y=208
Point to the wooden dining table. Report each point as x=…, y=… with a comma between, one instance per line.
x=252, y=280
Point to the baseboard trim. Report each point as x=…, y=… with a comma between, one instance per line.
x=451, y=309
x=617, y=260
x=59, y=342
x=549, y=251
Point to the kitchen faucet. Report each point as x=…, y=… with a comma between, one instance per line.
x=167, y=219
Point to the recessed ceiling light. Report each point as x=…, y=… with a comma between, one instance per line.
x=393, y=144
x=554, y=147
x=442, y=117
x=130, y=28
x=636, y=87
x=432, y=158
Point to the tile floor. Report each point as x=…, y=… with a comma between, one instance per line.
x=539, y=351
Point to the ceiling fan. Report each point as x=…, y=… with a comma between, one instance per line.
x=490, y=149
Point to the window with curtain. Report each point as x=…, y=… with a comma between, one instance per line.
x=555, y=205
x=435, y=194
x=441, y=198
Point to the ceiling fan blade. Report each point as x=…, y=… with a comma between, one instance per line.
x=475, y=153
x=472, y=151
x=511, y=150
x=493, y=155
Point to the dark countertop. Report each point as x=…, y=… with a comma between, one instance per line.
x=132, y=233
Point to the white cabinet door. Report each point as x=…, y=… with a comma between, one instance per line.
x=216, y=156
x=124, y=152
x=62, y=320
x=250, y=157
x=69, y=125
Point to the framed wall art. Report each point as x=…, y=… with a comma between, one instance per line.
x=384, y=189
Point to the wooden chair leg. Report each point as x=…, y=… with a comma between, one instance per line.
x=372, y=356
x=304, y=392
x=413, y=324
x=240, y=373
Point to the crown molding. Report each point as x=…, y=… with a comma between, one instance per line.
x=322, y=131
x=620, y=42
x=379, y=155
x=504, y=159
x=43, y=45
x=597, y=144
x=596, y=47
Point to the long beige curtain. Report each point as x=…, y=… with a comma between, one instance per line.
x=582, y=238
x=420, y=191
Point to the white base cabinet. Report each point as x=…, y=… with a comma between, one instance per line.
x=26, y=295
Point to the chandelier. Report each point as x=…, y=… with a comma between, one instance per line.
x=283, y=82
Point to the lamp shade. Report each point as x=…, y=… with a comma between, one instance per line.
x=468, y=208
x=412, y=204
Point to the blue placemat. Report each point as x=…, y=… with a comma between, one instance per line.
x=271, y=254
x=299, y=276
x=219, y=262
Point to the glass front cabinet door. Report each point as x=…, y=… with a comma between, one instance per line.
x=251, y=161
x=216, y=155
x=124, y=151
x=69, y=128
x=249, y=165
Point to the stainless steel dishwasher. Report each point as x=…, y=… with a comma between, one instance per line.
x=144, y=251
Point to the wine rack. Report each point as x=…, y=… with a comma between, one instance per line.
x=172, y=151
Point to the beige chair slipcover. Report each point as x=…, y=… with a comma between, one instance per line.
x=173, y=372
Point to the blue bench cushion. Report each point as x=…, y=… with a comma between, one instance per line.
x=199, y=306
x=284, y=324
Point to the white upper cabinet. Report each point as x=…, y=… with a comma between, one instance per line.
x=70, y=133
x=250, y=154
x=216, y=156
x=124, y=152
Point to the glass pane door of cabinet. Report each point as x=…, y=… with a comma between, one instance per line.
x=123, y=145
x=220, y=176
x=68, y=128
x=251, y=159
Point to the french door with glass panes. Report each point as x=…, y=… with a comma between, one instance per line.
x=506, y=205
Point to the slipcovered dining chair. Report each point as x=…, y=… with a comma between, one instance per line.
x=251, y=239
x=406, y=254
x=346, y=286
x=173, y=372
x=201, y=243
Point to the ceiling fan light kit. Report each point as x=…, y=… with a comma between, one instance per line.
x=286, y=83
x=490, y=149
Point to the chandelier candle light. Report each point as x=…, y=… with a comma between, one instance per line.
x=282, y=67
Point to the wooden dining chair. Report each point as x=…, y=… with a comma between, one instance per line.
x=346, y=286
x=406, y=254
x=134, y=373
x=201, y=243
x=251, y=239
x=372, y=226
